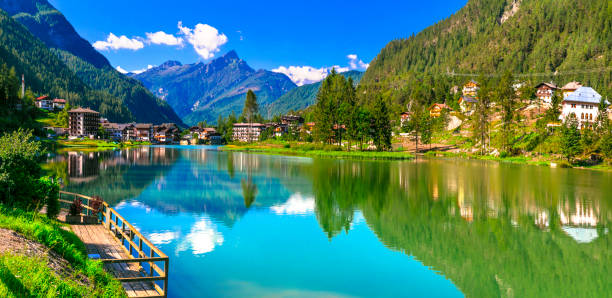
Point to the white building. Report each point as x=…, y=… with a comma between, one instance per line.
x=247, y=132
x=582, y=104
x=45, y=103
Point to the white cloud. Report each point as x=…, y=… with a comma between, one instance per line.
x=205, y=39
x=163, y=38
x=302, y=75
x=356, y=63
x=296, y=204
x=123, y=71
x=162, y=237
x=202, y=238
x=113, y=42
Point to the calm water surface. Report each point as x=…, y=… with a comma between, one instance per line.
x=245, y=225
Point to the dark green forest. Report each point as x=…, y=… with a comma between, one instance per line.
x=544, y=40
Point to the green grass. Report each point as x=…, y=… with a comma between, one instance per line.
x=312, y=150
x=98, y=143
x=52, y=234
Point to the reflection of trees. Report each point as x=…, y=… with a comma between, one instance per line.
x=478, y=223
x=249, y=191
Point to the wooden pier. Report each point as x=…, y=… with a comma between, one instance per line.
x=131, y=258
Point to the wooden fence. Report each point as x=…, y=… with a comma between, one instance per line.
x=139, y=249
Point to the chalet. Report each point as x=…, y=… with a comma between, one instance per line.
x=143, y=132
x=59, y=104
x=166, y=133
x=44, y=102
x=582, y=104
x=127, y=131
x=471, y=88
x=545, y=91
x=113, y=130
x=436, y=109
x=467, y=104
x=247, y=132
x=570, y=88
x=83, y=122
x=292, y=120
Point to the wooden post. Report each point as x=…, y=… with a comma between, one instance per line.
x=107, y=216
x=151, y=264
x=166, y=265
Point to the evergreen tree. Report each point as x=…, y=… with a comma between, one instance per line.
x=506, y=97
x=480, y=118
x=381, y=125
x=570, y=138
x=251, y=108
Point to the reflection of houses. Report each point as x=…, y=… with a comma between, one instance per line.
x=82, y=167
x=582, y=104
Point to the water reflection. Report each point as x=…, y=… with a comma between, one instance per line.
x=492, y=229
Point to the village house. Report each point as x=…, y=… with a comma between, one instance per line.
x=113, y=131
x=570, y=88
x=127, y=131
x=471, y=88
x=44, y=102
x=308, y=127
x=59, y=104
x=467, y=104
x=143, y=132
x=83, y=122
x=545, y=91
x=247, y=132
x=583, y=104
x=166, y=133
x=436, y=109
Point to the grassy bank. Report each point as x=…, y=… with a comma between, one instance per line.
x=30, y=276
x=545, y=160
x=314, y=150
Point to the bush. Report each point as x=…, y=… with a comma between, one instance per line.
x=49, y=190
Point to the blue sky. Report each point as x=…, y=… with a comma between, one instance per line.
x=311, y=36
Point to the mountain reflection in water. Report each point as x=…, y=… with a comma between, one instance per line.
x=492, y=229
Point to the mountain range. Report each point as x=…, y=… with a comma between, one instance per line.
x=205, y=91
x=39, y=42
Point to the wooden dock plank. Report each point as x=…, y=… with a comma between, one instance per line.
x=99, y=240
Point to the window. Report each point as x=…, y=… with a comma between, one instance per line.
x=591, y=116
x=573, y=106
x=581, y=115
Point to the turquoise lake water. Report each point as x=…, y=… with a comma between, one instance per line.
x=247, y=225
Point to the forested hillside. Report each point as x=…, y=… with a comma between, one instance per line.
x=45, y=73
x=537, y=40
x=117, y=97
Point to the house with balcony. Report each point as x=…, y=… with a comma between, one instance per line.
x=83, y=122
x=247, y=132
x=583, y=104
x=546, y=91
x=44, y=102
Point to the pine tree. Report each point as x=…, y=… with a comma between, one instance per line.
x=381, y=130
x=506, y=97
x=250, y=111
x=480, y=118
x=570, y=138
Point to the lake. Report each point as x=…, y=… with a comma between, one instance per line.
x=248, y=225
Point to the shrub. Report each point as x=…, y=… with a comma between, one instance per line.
x=49, y=190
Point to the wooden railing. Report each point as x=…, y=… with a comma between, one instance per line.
x=138, y=247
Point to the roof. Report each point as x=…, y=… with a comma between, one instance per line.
x=59, y=100
x=584, y=94
x=468, y=99
x=249, y=124
x=572, y=86
x=473, y=82
x=123, y=126
x=143, y=125
x=44, y=97
x=440, y=105
x=549, y=85
x=83, y=110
